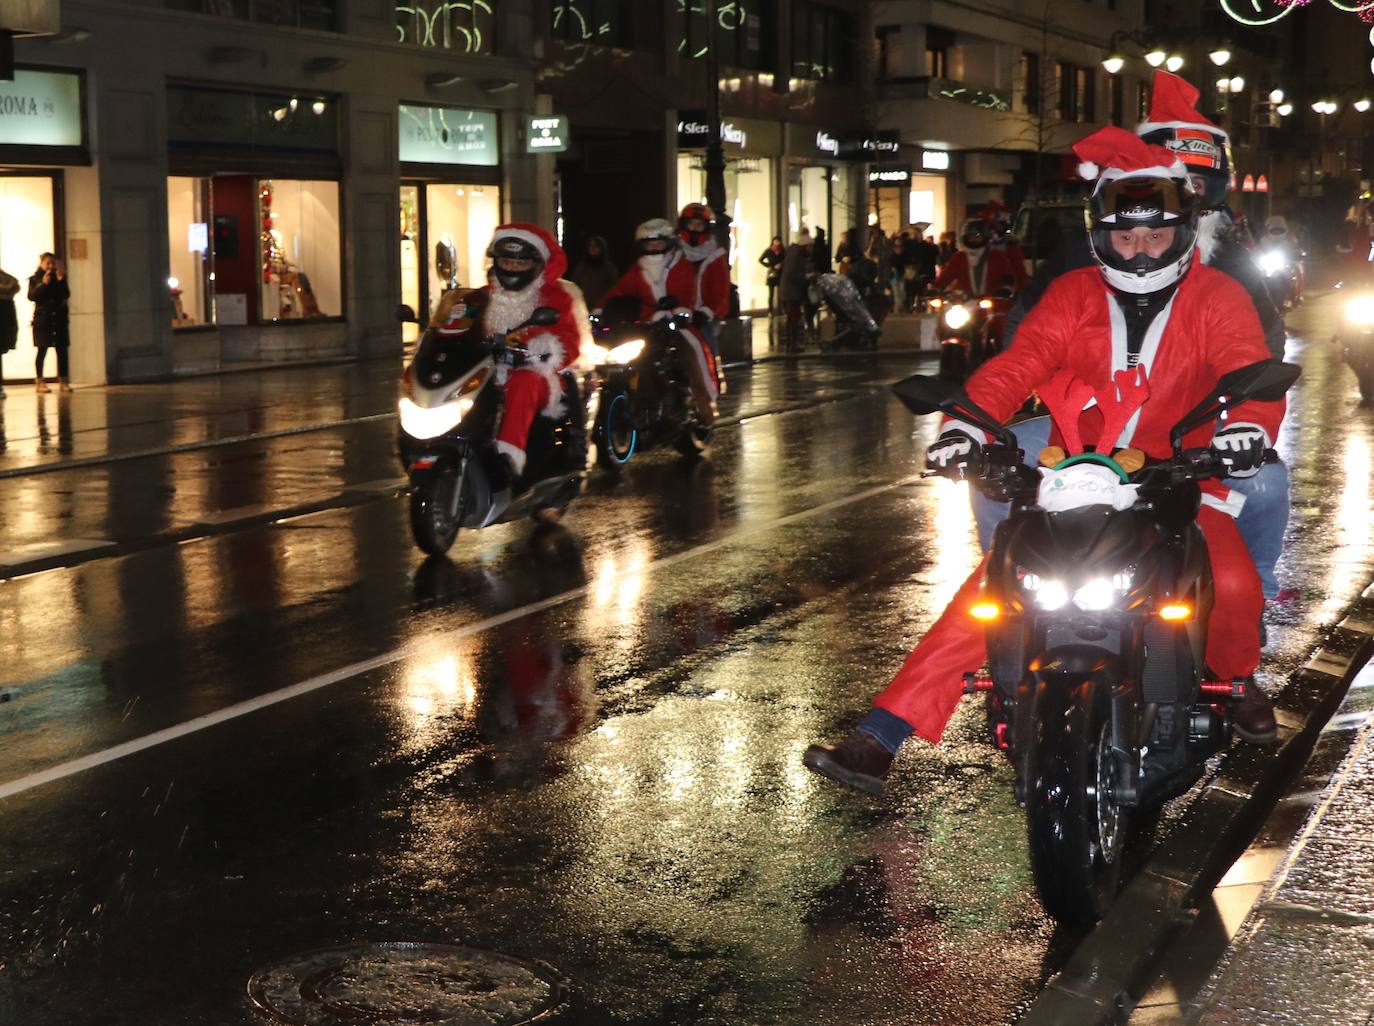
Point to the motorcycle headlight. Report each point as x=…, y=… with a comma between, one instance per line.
x=626, y=351
x=956, y=317
x=1272, y=262
x=432, y=421
x=1360, y=311
x=1047, y=594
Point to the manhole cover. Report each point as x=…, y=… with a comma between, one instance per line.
x=403, y=984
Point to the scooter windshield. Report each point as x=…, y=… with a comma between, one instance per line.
x=443, y=357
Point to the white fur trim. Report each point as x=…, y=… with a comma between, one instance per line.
x=585, y=342
x=1210, y=228
x=1231, y=504
x=524, y=236
x=1176, y=170
x=1088, y=171
x=698, y=347
x=517, y=455
x=507, y=310
x=545, y=355
x=1146, y=127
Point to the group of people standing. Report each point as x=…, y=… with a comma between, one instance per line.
x=48, y=292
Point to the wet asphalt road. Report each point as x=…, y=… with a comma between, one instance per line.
x=579, y=746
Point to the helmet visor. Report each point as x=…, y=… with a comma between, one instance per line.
x=654, y=245
x=1126, y=203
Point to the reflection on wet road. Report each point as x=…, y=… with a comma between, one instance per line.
x=579, y=745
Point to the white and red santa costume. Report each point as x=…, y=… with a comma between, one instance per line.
x=535, y=387
x=1208, y=328
x=654, y=276
x=981, y=277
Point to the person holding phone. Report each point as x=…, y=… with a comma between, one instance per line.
x=48, y=292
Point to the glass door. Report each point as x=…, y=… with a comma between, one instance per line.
x=410, y=261
x=28, y=229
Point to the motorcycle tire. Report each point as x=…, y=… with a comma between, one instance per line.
x=1366, y=379
x=1077, y=831
x=614, y=432
x=694, y=440
x=434, y=531
x=953, y=364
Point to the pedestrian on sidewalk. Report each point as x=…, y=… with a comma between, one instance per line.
x=771, y=258
x=796, y=274
x=48, y=292
x=595, y=273
x=9, y=320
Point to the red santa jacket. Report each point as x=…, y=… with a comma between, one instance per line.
x=999, y=264
x=712, y=293
x=700, y=286
x=1208, y=329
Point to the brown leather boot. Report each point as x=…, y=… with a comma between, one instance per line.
x=64, y=385
x=40, y=386
x=1252, y=717
x=858, y=760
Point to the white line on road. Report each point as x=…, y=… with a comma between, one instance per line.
x=160, y=737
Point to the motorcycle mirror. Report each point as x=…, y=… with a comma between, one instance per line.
x=406, y=314
x=923, y=394
x=543, y=317
x=1263, y=381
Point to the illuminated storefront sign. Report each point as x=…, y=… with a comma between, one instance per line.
x=448, y=135
x=890, y=174
x=41, y=108
x=546, y=133
x=935, y=160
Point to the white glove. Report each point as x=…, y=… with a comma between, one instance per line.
x=1241, y=448
x=952, y=447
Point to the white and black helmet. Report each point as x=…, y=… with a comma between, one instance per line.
x=655, y=236
x=1143, y=201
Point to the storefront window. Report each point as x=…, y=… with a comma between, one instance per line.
x=749, y=189
x=843, y=216
x=468, y=26
x=445, y=231
x=190, y=268
x=300, y=249
x=741, y=33
x=928, y=203
x=27, y=230
x=822, y=43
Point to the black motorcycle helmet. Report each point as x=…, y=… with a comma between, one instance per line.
x=515, y=262
x=975, y=234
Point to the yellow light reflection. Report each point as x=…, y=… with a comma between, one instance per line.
x=1355, y=520
x=955, y=543
x=433, y=691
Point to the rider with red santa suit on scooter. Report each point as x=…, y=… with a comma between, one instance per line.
x=979, y=268
x=527, y=273
x=661, y=271
x=1146, y=303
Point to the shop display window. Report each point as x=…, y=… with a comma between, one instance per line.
x=468, y=26
x=300, y=248
x=446, y=228
x=190, y=265
x=749, y=186
x=27, y=230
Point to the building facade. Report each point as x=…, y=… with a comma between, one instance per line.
x=262, y=180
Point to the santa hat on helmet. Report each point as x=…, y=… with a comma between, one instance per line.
x=1112, y=152
x=555, y=260
x=1173, y=104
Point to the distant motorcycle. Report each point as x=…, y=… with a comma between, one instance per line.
x=645, y=399
x=1282, y=270
x=1357, y=341
x=971, y=331
x=1096, y=622
x=449, y=408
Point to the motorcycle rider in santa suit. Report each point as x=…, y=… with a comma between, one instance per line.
x=1175, y=123
x=1148, y=303
x=710, y=299
x=526, y=273
x=662, y=270
x=979, y=268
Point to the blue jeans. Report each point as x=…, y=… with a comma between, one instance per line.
x=1262, y=523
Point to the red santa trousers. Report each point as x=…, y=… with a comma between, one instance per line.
x=927, y=688
x=526, y=393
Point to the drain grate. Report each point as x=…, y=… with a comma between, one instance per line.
x=404, y=984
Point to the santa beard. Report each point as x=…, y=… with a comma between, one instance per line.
x=1212, y=226
x=654, y=267
x=507, y=309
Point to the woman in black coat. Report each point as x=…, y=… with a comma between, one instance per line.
x=48, y=293
x=771, y=258
x=9, y=320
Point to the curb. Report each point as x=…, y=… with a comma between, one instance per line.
x=1103, y=979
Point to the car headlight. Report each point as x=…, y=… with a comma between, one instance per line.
x=956, y=317
x=1272, y=262
x=431, y=421
x=626, y=351
x=1360, y=311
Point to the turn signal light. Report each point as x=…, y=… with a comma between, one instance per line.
x=985, y=304
x=985, y=611
x=1175, y=611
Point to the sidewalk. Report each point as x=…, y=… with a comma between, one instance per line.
x=1297, y=907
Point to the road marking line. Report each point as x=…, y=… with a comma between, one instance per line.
x=180, y=730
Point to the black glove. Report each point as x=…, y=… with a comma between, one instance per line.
x=1241, y=448
x=953, y=448
x=701, y=318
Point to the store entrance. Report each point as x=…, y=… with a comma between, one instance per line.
x=445, y=230
x=28, y=228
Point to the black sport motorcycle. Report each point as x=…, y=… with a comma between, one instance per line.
x=1356, y=340
x=645, y=399
x=449, y=409
x=1096, y=624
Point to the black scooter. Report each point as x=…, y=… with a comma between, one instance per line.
x=645, y=399
x=449, y=409
x=1096, y=623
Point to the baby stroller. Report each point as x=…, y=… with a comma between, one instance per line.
x=855, y=324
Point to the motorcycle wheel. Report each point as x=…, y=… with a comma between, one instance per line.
x=1077, y=830
x=694, y=440
x=433, y=529
x=614, y=432
x=953, y=364
x=1366, y=380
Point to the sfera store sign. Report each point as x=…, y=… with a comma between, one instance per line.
x=694, y=132
x=41, y=108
